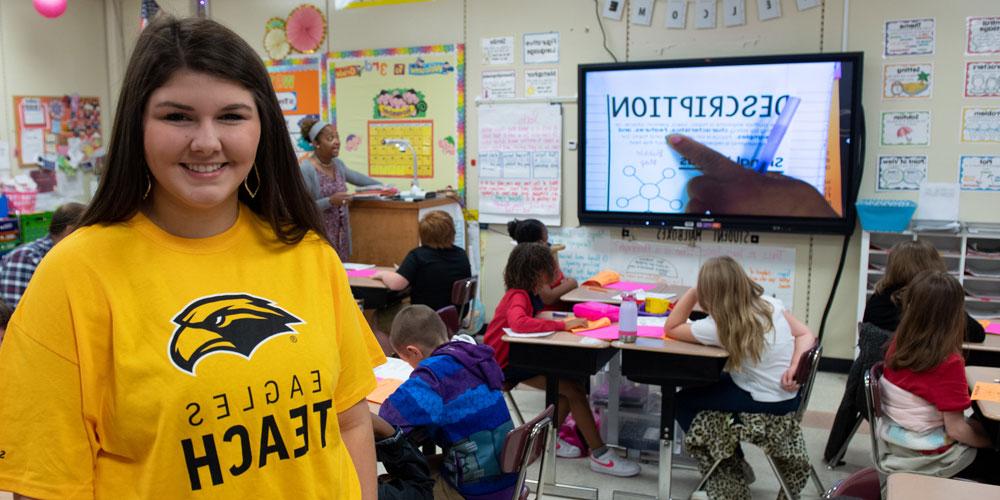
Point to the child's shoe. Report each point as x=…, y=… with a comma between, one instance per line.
x=567, y=450
x=610, y=463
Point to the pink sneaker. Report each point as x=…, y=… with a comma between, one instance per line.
x=566, y=450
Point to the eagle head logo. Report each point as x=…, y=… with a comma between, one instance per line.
x=236, y=323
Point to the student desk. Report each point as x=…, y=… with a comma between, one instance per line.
x=906, y=486
x=373, y=292
x=990, y=409
x=669, y=364
x=985, y=353
x=560, y=355
x=606, y=295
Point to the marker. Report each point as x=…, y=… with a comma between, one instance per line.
x=558, y=314
x=766, y=152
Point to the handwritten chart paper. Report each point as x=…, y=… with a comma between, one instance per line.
x=906, y=128
x=981, y=125
x=979, y=173
x=901, y=173
x=520, y=159
x=982, y=36
x=909, y=37
x=982, y=79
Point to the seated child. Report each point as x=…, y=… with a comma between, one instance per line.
x=454, y=399
x=533, y=231
x=409, y=477
x=431, y=269
x=530, y=267
x=5, y=313
x=763, y=339
x=925, y=392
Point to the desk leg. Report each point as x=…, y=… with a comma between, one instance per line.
x=614, y=397
x=666, y=440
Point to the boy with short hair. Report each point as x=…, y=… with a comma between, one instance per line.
x=453, y=397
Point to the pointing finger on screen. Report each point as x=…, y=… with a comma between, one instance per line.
x=711, y=162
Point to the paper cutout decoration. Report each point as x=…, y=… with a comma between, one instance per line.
x=768, y=9
x=306, y=28
x=642, y=12
x=676, y=14
x=613, y=9
x=734, y=13
x=704, y=14
x=276, y=42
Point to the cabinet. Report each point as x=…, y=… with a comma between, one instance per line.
x=973, y=258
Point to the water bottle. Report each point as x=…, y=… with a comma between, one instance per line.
x=628, y=317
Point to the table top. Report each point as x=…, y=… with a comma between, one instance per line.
x=903, y=485
x=606, y=295
x=991, y=409
x=671, y=346
x=992, y=344
x=568, y=339
x=369, y=282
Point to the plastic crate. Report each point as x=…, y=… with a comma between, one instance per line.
x=891, y=216
x=35, y=226
x=22, y=202
x=9, y=235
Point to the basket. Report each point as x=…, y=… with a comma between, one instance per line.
x=35, y=226
x=23, y=202
x=887, y=216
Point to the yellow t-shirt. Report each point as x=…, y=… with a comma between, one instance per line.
x=140, y=364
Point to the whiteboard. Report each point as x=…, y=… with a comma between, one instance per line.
x=588, y=250
x=520, y=162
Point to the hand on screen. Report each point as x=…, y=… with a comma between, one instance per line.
x=725, y=187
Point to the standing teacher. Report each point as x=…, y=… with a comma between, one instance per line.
x=327, y=178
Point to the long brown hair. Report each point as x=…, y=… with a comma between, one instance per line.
x=169, y=45
x=529, y=265
x=735, y=302
x=906, y=260
x=933, y=324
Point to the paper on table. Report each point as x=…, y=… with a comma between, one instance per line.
x=993, y=327
x=938, y=201
x=984, y=391
x=611, y=332
x=353, y=266
x=629, y=286
x=657, y=321
x=394, y=368
x=361, y=273
x=383, y=390
x=512, y=333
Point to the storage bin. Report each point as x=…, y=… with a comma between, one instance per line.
x=885, y=215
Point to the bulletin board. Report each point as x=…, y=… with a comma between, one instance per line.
x=53, y=126
x=301, y=87
x=412, y=93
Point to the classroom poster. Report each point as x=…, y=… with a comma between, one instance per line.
x=62, y=130
x=676, y=14
x=982, y=79
x=908, y=37
x=300, y=83
x=541, y=48
x=541, y=82
x=499, y=84
x=906, y=128
x=498, y=50
x=415, y=95
x=907, y=81
x=704, y=14
x=981, y=125
x=982, y=36
x=901, y=173
x=979, y=173
x=520, y=162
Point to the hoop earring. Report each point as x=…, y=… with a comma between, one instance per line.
x=246, y=185
x=149, y=187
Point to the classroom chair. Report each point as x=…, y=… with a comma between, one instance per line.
x=805, y=375
x=873, y=398
x=862, y=485
x=463, y=293
x=512, y=404
x=449, y=316
x=522, y=447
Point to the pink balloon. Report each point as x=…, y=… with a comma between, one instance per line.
x=50, y=8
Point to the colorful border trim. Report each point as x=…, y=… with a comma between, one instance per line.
x=306, y=62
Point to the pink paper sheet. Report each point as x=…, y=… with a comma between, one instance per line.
x=361, y=273
x=993, y=327
x=628, y=286
x=611, y=332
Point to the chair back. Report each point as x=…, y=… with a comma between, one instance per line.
x=873, y=399
x=805, y=376
x=863, y=484
x=524, y=445
x=463, y=292
x=449, y=316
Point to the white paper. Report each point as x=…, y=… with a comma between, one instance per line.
x=32, y=112
x=979, y=173
x=901, y=173
x=354, y=266
x=651, y=321
x=498, y=50
x=642, y=12
x=613, y=9
x=982, y=35
x=907, y=81
x=541, y=82
x=512, y=333
x=938, y=201
x=704, y=14
x=982, y=78
x=32, y=145
x=906, y=128
x=734, y=13
x=807, y=4
x=4, y=158
x=768, y=9
x=676, y=14
x=499, y=84
x=394, y=368
x=908, y=37
x=981, y=125
x=541, y=48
